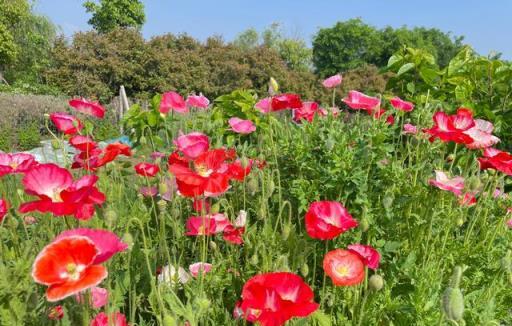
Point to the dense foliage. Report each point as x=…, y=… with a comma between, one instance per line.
x=109, y=15
x=353, y=43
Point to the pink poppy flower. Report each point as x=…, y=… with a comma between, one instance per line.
x=200, y=225
x=88, y=107
x=107, y=243
x=370, y=256
x=332, y=81
x=116, y=319
x=410, y=129
x=241, y=126
x=193, y=144
x=172, y=101
x=263, y=105
x=455, y=185
x=147, y=169
x=156, y=155
x=481, y=134
x=197, y=268
x=359, y=101
x=66, y=123
x=99, y=297
x=307, y=112
x=401, y=105
x=16, y=163
x=4, y=208
x=509, y=224
x=148, y=191
x=197, y=101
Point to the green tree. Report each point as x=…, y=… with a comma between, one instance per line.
x=248, y=39
x=111, y=14
x=12, y=13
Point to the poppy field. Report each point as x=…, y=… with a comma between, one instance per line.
x=261, y=209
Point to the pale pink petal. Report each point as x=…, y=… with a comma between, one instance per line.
x=196, y=268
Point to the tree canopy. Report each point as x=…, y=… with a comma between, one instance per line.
x=108, y=15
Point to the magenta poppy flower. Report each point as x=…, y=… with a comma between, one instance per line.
x=481, y=134
x=326, y=220
x=307, y=112
x=443, y=182
x=359, y=101
x=115, y=319
x=148, y=191
x=157, y=155
x=16, y=163
x=241, y=126
x=371, y=257
x=199, y=268
x=147, y=169
x=263, y=105
x=193, y=144
x=452, y=127
x=88, y=107
x=99, y=297
x=66, y=123
x=4, y=208
x=172, y=101
x=332, y=81
x=233, y=234
x=107, y=243
x=410, y=129
x=401, y=105
x=197, y=101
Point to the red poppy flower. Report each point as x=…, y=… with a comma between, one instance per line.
x=83, y=143
x=401, y=105
x=237, y=171
x=107, y=243
x=468, y=199
x=67, y=267
x=117, y=319
x=344, y=267
x=307, y=112
x=370, y=256
x=88, y=107
x=271, y=299
x=286, y=101
x=359, y=101
x=497, y=160
x=147, y=169
x=327, y=219
x=96, y=157
x=233, y=234
x=208, y=175
x=4, y=208
x=59, y=194
x=66, y=123
x=452, y=127
x=16, y=163
x=172, y=101
x=200, y=225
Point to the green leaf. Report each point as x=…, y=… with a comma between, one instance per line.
x=405, y=68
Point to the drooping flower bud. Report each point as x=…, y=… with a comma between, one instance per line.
x=453, y=300
x=376, y=282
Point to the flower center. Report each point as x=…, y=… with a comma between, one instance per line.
x=13, y=165
x=73, y=271
x=203, y=171
x=342, y=270
x=56, y=198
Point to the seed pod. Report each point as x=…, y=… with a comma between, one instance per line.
x=212, y=245
x=376, y=282
x=253, y=186
x=453, y=300
x=143, y=140
x=287, y=229
x=163, y=188
x=282, y=263
x=271, y=186
x=304, y=269
x=365, y=224
x=254, y=259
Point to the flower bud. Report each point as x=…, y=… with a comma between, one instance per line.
x=286, y=231
x=304, y=269
x=365, y=224
x=254, y=259
x=110, y=216
x=244, y=161
x=56, y=144
x=253, y=186
x=169, y=321
x=203, y=303
x=212, y=245
x=453, y=300
x=270, y=187
x=376, y=282
x=163, y=188
x=162, y=204
x=128, y=239
x=215, y=208
x=273, y=87
x=473, y=183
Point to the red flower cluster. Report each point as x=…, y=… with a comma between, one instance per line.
x=91, y=157
x=271, y=299
x=215, y=224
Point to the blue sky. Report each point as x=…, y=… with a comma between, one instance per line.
x=487, y=25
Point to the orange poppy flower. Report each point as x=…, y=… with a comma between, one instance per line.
x=344, y=267
x=66, y=266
